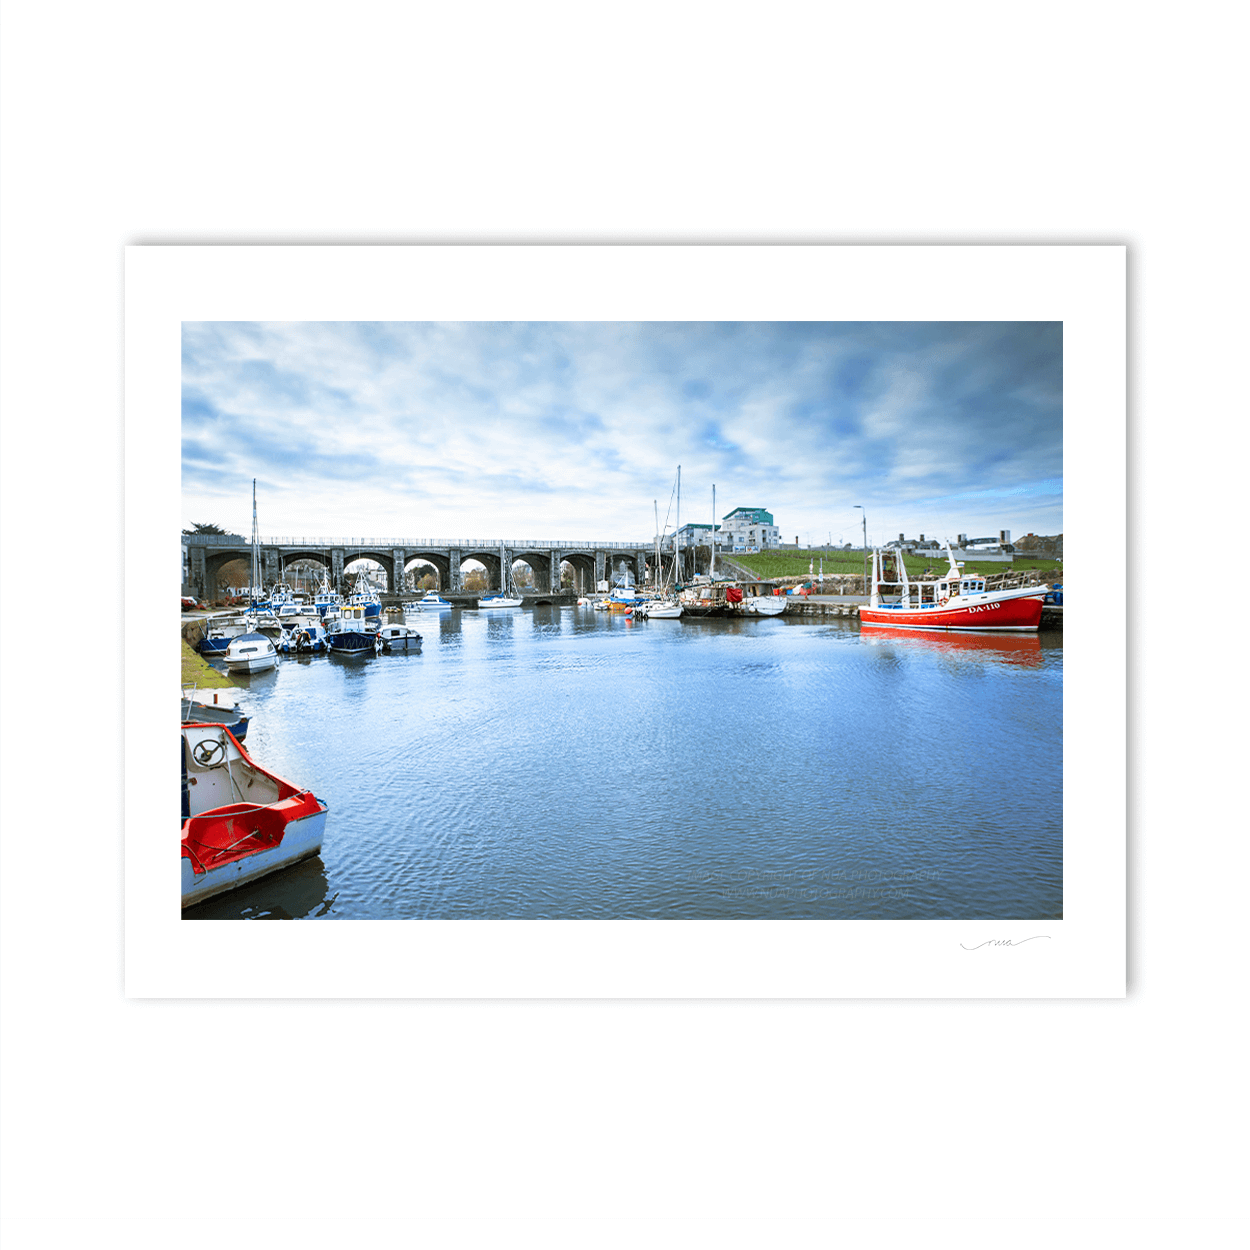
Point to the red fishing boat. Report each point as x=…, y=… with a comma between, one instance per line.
x=954, y=600
x=239, y=821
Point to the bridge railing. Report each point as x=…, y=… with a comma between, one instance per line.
x=322, y=544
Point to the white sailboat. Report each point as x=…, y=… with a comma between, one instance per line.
x=509, y=596
x=665, y=608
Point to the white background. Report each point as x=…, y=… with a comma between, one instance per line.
x=1082, y=956
x=1098, y=1122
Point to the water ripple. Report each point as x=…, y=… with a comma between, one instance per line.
x=557, y=763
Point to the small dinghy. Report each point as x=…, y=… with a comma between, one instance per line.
x=240, y=822
x=393, y=638
x=214, y=707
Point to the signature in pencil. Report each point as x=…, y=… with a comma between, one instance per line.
x=1005, y=941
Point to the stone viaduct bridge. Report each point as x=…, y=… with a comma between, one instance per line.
x=591, y=562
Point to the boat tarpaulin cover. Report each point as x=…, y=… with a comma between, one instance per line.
x=241, y=829
x=733, y=595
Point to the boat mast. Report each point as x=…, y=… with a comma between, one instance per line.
x=712, y=571
x=255, y=546
x=677, y=535
x=656, y=575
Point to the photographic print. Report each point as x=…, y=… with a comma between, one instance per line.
x=645, y=642
x=644, y=620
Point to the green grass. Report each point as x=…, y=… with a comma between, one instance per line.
x=198, y=672
x=771, y=564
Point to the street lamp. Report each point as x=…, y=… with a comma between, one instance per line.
x=861, y=507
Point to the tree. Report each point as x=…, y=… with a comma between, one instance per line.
x=200, y=527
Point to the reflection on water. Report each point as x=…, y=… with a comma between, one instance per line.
x=570, y=763
x=968, y=644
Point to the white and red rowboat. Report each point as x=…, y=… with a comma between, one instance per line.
x=955, y=600
x=239, y=821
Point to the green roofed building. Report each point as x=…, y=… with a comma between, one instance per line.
x=752, y=529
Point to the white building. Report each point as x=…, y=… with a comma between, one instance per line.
x=751, y=529
x=698, y=534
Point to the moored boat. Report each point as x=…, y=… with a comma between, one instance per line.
x=365, y=596
x=239, y=821
x=764, y=605
x=214, y=707
x=221, y=632
x=303, y=638
x=954, y=600
x=354, y=631
x=250, y=653
x=327, y=600
x=431, y=600
x=661, y=610
x=396, y=638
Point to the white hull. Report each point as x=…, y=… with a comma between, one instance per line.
x=300, y=839
x=662, y=611
x=765, y=605
x=252, y=663
x=499, y=603
x=399, y=638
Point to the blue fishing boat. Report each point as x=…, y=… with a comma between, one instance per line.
x=364, y=596
x=303, y=638
x=327, y=601
x=354, y=631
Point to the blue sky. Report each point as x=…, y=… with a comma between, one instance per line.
x=572, y=430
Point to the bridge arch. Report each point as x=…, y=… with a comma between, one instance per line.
x=620, y=561
x=539, y=562
x=489, y=560
x=583, y=566
x=287, y=559
x=378, y=557
x=415, y=562
x=215, y=562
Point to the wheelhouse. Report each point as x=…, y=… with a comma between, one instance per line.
x=892, y=588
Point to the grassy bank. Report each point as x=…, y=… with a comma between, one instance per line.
x=198, y=672
x=770, y=564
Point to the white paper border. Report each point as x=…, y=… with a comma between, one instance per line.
x=1082, y=956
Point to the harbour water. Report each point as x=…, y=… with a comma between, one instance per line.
x=565, y=763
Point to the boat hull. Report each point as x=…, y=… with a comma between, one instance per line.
x=352, y=642
x=1023, y=612
x=202, y=715
x=300, y=840
x=766, y=605
x=252, y=664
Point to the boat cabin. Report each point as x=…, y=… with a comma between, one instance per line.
x=892, y=588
